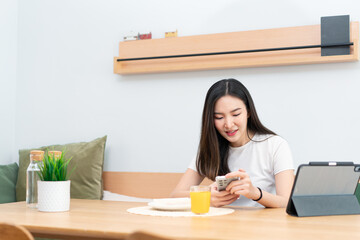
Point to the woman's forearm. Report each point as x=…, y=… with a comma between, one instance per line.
x=267, y=200
x=273, y=201
x=175, y=194
x=190, y=178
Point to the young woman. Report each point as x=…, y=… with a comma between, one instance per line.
x=235, y=143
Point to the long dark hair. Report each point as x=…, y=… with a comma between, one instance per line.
x=213, y=148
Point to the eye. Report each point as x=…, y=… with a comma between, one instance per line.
x=235, y=115
x=218, y=118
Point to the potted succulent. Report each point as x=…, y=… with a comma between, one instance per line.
x=54, y=186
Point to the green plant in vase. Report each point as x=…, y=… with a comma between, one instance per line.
x=54, y=183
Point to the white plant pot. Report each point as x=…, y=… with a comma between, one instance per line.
x=54, y=196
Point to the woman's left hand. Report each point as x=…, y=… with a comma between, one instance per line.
x=243, y=186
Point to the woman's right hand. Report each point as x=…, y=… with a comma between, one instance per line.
x=219, y=199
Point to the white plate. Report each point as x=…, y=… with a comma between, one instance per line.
x=171, y=204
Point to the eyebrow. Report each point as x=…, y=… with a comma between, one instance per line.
x=236, y=109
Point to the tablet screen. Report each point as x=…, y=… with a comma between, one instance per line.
x=325, y=180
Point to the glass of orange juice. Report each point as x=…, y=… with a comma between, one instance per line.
x=200, y=199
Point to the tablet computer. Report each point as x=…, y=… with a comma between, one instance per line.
x=325, y=188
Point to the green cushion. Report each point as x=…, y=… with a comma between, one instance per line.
x=86, y=179
x=8, y=177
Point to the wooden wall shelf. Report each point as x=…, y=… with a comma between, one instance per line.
x=235, y=41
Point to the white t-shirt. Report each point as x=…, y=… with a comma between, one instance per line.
x=262, y=158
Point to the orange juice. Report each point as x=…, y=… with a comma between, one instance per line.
x=200, y=201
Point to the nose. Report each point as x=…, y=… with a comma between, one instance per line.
x=228, y=124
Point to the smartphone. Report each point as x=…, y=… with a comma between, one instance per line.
x=222, y=182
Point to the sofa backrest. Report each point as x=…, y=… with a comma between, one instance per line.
x=142, y=184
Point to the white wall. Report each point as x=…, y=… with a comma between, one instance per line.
x=67, y=92
x=8, y=52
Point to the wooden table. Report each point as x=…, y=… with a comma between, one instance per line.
x=93, y=219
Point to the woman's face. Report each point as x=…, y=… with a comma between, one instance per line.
x=230, y=118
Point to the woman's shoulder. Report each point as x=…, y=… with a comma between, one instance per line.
x=270, y=139
x=275, y=144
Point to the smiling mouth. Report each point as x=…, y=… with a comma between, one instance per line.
x=231, y=133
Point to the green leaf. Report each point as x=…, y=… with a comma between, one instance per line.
x=54, y=169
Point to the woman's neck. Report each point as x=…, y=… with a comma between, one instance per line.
x=247, y=137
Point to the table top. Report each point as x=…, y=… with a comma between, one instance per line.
x=109, y=219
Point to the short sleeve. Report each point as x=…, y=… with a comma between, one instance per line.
x=193, y=164
x=282, y=156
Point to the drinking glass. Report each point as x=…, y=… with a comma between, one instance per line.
x=200, y=199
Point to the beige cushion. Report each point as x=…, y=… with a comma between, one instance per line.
x=86, y=179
